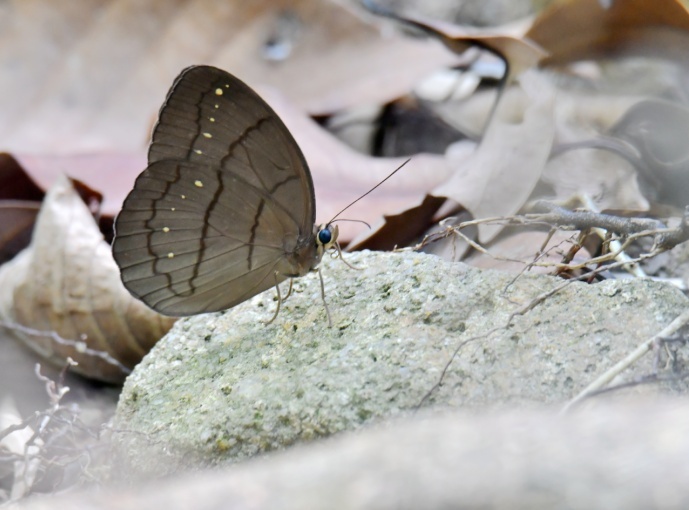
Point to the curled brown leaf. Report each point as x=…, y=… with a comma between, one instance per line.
x=66, y=285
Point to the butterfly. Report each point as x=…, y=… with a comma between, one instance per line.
x=226, y=207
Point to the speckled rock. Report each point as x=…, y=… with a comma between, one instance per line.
x=630, y=456
x=225, y=386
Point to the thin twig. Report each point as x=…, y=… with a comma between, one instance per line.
x=78, y=346
x=622, y=365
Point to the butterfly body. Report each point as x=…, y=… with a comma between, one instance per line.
x=225, y=208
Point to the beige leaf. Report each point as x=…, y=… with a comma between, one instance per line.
x=340, y=173
x=91, y=76
x=66, y=282
x=499, y=177
x=518, y=53
x=606, y=177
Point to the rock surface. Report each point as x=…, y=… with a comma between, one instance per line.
x=604, y=457
x=224, y=387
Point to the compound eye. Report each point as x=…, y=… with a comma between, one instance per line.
x=325, y=236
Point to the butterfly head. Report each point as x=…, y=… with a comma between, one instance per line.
x=326, y=237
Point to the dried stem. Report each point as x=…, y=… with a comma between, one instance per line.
x=633, y=356
x=626, y=230
x=79, y=346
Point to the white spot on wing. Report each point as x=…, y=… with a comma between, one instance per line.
x=218, y=92
x=198, y=184
x=170, y=255
x=208, y=135
x=166, y=229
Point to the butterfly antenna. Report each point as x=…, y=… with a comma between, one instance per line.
x=355, y=221
x=369, y=191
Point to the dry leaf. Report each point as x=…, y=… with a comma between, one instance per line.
x=340, y=173
x=499, y=177
x=108, y=96
x=397, y=230
x=641, y=157
x=658, y=132
x=20, y=199
x=15, y=183
x=21, y=194
x=17, y=219
x=518, y=53
x=507, y=42
x=66, y=282
x=585, y=30
x=98, y=71
x=408, y=221
x=605, y=177
x=113, y=173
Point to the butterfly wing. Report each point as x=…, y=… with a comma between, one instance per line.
x=226, y=201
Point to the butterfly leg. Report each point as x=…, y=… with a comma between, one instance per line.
x=277, y=290
x=325, y=303
x=339, y=254
x=289, y=291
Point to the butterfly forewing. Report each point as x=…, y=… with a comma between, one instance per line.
x=211, y=117
x=226, y=196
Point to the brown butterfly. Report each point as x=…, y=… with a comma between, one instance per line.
x=226, y=207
